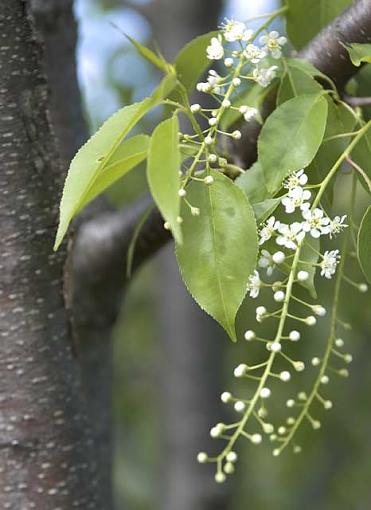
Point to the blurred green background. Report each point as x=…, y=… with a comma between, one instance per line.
x=171, y=362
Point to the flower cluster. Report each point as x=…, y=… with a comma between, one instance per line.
x=282, y=258
x=246, y=57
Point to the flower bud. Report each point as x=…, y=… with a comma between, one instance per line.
x=310, y=320
x=265, y=393
x=249, y=335
x=278, y=257
x=232, y=457
x=226, y=397
x=256, y=438
x=195, y=108
x=279, y=296
x=237, y=134
x=285, y=376
x=239, y=406
x=303, y=276
x=202, y=457
x=229, y=468
x=220, y=477
x=294, y=335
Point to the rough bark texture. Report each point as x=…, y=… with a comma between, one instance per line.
x=46, y=453
x=57, y=32
x=335, y=64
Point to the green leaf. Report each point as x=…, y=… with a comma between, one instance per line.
x=93, y=156
x=296, y=82
x=163, y=172
x=361, y=155
x=127, y=156
x=219, y=248
x=191, y=62
x=306, y=67
x=339, y=120
x=306, y=18
x=291, y=137
x=151, y=57
x=359, y=53
x=264, y=209
x=252, y=182
x=364, y=245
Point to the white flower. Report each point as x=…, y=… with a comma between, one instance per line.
x=248, y=112
x=296, y=198
x=203, y=87
x=290, y=235
x=265, y=393
x=337, y=225
x=264, y=76
x=329, y=262
x=315, y=222
x=214, y=81
x=215, y=50
x=296, y=179
x=266, y=262
x=235, y=31
x=261, y=311
x=268, y=230
x=273, y=43
x=254, y=285
x=254, y=54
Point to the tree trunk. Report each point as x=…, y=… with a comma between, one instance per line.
x=46, y=452
x=57, y=31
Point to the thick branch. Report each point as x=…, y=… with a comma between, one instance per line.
x=325, y=52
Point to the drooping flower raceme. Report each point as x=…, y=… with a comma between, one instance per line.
x=281, y=270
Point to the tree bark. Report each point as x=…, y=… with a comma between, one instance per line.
x=57, y=32
x=46, y=453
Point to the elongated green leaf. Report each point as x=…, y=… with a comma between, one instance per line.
x=92, y=157
x=359, y=53
x=361, y=155
x=339, y=121
x=191, y=62
x=264, y=209
x=150, y=56
x=219, y=248
x=364, y=245
x=127, y=156
x=291, y=137
x=305, y=18
x=252, y=182
x=305, y=66
x=296, y=82
x=163, y=172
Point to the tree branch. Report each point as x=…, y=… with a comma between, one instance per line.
x=325, y=51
